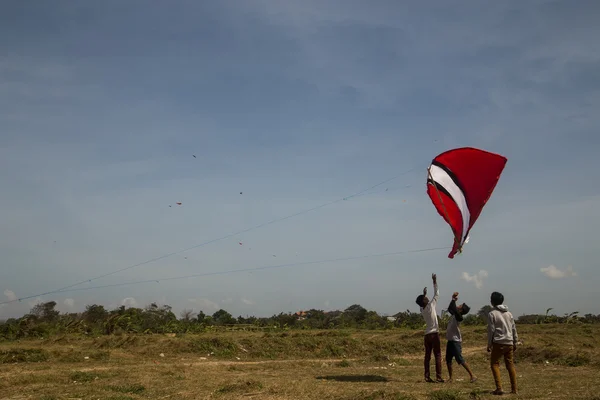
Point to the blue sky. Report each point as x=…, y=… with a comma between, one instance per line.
x=295, y=104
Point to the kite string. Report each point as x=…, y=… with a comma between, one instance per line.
x=218, y=239
x=443, y=206
x=246, y=270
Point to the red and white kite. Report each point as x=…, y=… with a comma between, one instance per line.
x=459, y=184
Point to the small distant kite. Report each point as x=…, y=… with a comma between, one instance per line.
x=193, y=155
x=240, y=243
x=459, y=183
x=240, y=192
x=178, y=203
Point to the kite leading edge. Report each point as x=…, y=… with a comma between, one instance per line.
x=459, y=183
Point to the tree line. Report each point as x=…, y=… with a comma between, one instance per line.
x=43, y=320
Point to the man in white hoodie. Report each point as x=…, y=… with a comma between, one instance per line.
x=432, y=332
x=502, y=342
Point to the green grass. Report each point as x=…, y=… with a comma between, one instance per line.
x=18, y=355
x=129, y=389
x=446, y=394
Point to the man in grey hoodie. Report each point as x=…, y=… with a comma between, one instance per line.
x=502, y=342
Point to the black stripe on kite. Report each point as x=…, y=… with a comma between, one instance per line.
x=441, y=189
x=454, y=179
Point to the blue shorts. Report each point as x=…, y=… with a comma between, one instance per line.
x=454, y=350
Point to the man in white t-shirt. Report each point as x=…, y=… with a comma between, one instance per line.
x=432, y=332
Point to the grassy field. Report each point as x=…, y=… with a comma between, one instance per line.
x=554, y=362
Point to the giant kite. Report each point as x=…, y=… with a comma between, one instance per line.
x=459, y=183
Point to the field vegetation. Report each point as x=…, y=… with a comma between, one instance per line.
x=356, y=354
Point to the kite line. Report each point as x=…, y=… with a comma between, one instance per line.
x=212, y=240
x=295, y=264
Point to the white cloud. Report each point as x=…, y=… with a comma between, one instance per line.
x=205, y=304
x=69, y=303
x=10, y=294
x=554, y=273
x=477, y=278
x=129, y=301
x=248, y=302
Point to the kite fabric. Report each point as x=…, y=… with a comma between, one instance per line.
x=459, y=183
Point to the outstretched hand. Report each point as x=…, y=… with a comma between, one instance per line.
x=425, y=290
x=434, y=277
x=455, y=296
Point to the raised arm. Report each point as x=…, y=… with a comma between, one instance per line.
x=436, y=292
x=453, y=310
x=452, y=307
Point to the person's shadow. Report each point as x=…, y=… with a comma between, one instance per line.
x=354, y=378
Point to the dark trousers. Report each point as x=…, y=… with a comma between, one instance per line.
x=432, y=343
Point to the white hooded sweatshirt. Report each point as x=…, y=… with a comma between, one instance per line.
x=501, y=327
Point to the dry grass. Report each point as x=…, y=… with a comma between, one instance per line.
x=555, y=362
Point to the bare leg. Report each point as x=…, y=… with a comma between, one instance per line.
x=466, y=366
x=449, y=365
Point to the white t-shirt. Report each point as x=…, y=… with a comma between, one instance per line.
x=431, y=318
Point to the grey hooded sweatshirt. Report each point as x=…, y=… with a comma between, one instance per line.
x=501, y=327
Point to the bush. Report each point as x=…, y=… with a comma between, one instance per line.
x=44, y=321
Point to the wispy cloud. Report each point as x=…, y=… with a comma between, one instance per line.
x=228, y=300
x=248, y=302
x=10, y=295
x=554, y=273
x=129, y=302
x=475, y=278
x=205, y=305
